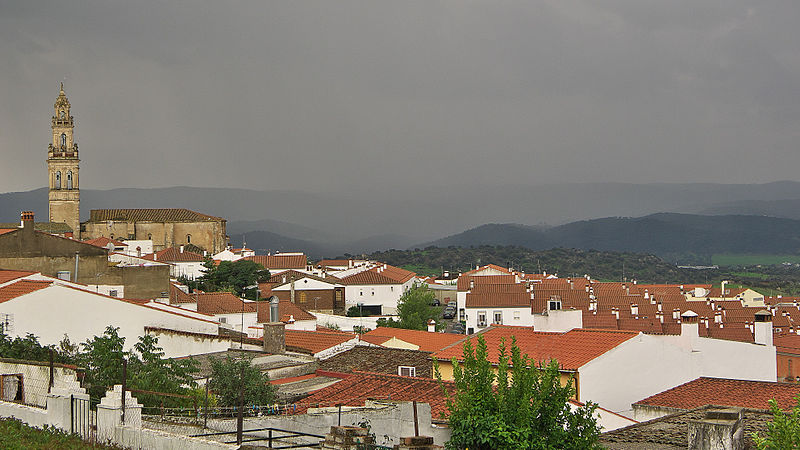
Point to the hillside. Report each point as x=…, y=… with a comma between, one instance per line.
x=602, y=265
x=681, y=238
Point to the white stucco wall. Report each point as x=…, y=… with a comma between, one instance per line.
x=190, y=270
x=52, y=312
x=559, y=320
x=385, y=295
x=649, y=364
x=177, y=344
x=511, y=316
x=347, y=323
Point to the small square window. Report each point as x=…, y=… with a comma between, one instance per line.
x=407, y=371
x=481, y=318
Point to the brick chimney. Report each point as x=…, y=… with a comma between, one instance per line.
x=275, y=330
x=27, y=221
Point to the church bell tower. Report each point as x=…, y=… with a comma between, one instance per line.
x=62, y=168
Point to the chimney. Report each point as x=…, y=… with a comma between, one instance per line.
x=659, y=305
x=615, y=312
x=471, y=283
x=718, y=317
x=634, y=309
x=275, y=330
x=763, y=328
x=181, y=249
x=722, y=288
x=676, y=314
x=719, y=428
x=431, y=326
x=592, y=305
x=660, y=316
x=646, y=295
x=690, y=331
x=27, y=221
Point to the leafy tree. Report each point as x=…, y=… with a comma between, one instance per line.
x=27, y=348
x=229, y=375
x=520, y=406
x=233, y=276
x=415, y=309
x=147, y=368
x=783, y=431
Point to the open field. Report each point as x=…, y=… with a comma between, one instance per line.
x=728, y=259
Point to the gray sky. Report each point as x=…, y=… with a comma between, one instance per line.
x=340, y=94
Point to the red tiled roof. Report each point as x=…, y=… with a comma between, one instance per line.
x=222, y=303
x=21, y=287
x=499, y=300
x=572, y=349
x=103, y=242
x=176, y=295
x=361, y=386
x=279, y=261
x=173, y=254
x=725, y=392
x=286, y=309
x=7, y=230
x=151, y=215
x=463, y=282
x=314, y=341
x=427, y=341
x=8, y=275
x=384, y=274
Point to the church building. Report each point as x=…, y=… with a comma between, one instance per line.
x=62, y=167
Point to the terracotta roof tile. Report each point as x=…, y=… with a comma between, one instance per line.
x=20, y=288
x=9, y=275
x=384, y=274
x=176, y=295
x=499, y=300
x=314, y=341
x=572, y=349
x=151, y=215
x=464, y=281
x=222, y=303
x=279, y=261
x=361, y=386
x=286, y=309
x=427, y=342
x=725, y=392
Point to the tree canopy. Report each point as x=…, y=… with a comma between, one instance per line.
x=521, y=405
x=229, y=375
x=783, y=431
x=233, y=276
x=415, y=308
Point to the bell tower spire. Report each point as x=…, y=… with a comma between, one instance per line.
x=62, y=167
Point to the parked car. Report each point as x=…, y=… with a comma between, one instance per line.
x=435, y=302
x=452, y=304
x=458, y=328
x=449, y=313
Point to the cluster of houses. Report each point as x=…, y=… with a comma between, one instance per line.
x=640, y=351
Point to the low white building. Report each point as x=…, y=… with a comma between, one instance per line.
x=182, y=263
x=52, y=310
x=377, y=289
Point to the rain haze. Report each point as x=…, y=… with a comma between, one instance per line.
x=399, y=100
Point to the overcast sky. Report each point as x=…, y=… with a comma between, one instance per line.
x=329, y=95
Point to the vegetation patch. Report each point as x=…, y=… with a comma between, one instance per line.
x=17, y=435
x=732, y=259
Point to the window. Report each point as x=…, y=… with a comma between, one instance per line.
x=407, y=371
x=58, y=180
x=223, y=320
x=498, y=318
x=516, y=315
x=302, y=297
x=373, y=293
x=188, y=238
x=481, y=318
x=113, y=293
x=554, y=305
x=361, y=293
x=111, y=236
x=63, y=275
x=63, y=140
x=69, y=180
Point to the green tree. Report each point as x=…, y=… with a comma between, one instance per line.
x=228, y=376
x=147, y=368
x=520, y=406
x=28, y=348
x=415, y=309
x=233, y=276
x=784, y=429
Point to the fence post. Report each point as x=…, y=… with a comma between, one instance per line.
x=52, y=378
x=239, y=418
x=124, y=386
x=205, y=407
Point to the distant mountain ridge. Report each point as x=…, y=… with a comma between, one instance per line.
x=665, y=234
x=365, y=220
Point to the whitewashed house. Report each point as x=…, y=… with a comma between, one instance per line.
x=182, y=263
x=377, y=289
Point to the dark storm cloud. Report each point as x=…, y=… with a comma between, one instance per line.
x=342, y=94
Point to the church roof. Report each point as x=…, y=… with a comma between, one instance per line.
x=151, y=215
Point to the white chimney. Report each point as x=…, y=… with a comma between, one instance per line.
x=763, y=328
x=431, y=326
x=660, y=316
x=592, y=305
x=659, y=305
x=181, y=249
x=722, y=288
x=676, y=314
x=690, y=330
x=718, y=317
x=615, y=311
x=634, y=309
